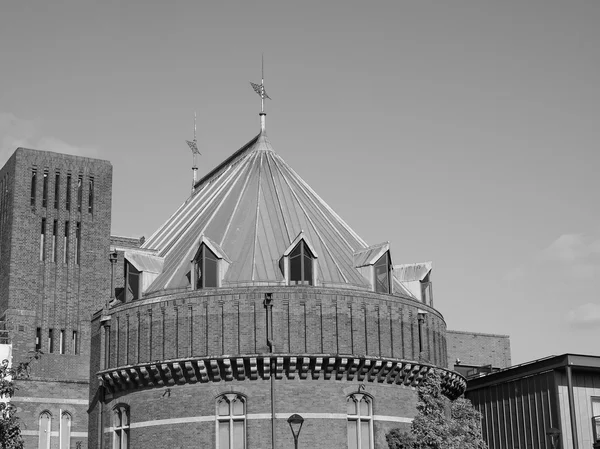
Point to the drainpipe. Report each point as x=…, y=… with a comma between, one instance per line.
x=268, y=302
x=113, y=261
x=572, y=405
x=421, y=320
x=104, y=363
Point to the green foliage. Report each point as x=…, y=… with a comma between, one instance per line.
x=465, y=427
x=397, y=439
x=10, y=431
x=440, y=423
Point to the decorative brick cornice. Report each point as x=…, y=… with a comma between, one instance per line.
x=216, y=369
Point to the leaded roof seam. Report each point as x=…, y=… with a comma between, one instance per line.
x=195, y=209
x=285, y=224
x=257, y=215
x=374, y=246
x=344, y=251
x=221, y=209
x=207, y=190
x=301, y=185
x=340, y=248
x=229, y=162
x=149, y=241
x=206, y=224
x=317, y=232
x=177, y=226
x=191, y=217
x=236, y=207
x=325, y=205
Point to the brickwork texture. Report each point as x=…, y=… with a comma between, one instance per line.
x=55, y=217
x=473, y=348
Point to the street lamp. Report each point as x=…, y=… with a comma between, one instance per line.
x=295, y=421
x=554, y=435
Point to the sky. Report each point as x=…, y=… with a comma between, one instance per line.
x=463, y=132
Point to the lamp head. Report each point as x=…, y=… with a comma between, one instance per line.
x=295, y=421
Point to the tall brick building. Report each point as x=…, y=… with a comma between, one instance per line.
x=253, y=302
x=55, y=213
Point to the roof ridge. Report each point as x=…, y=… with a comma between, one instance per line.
x=227, y=162
x=376, y=245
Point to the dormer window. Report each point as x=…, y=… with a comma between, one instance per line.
x=133, y=279
x=382, y=273
x=426, y=293
x=206, y=268
x=142, y=266
x=301, y=265
x=299, y=262
x=208, y=265
x=375, y=264
x=416, y=279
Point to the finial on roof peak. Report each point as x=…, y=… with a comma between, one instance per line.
x=260, y=90
x=194, y=147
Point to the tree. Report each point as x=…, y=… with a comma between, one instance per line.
x=10, y=431
x=440, y=423
x=465, y=426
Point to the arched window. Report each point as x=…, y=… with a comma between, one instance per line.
x=360, y=421
x=382, y=273
x=65, y=431
x=45, y=424
x=206, y=268
x=301, y=265
x=121, y=427
x=231, y=421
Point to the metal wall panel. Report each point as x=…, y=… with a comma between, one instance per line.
x=585, y=386
x=517, y=414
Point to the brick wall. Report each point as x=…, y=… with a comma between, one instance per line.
x=474, y=348
x=306, y=321
x=42, y=290
x=6, y=213
x=55, y=397
x=62, y=295
x=233, y=322
x=304, y=397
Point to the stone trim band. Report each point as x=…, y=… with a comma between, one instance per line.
x=255, y=416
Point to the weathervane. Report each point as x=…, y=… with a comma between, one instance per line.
x=194, y=147
x=260, y=90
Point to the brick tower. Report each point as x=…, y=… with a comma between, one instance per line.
x=55, y=213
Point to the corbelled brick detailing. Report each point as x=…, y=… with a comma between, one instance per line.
x=363, y=369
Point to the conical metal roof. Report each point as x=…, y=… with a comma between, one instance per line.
x=252, y=207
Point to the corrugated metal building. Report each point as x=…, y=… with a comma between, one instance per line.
x=532, y=405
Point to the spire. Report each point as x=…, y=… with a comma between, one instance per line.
x=260, y=90
x=194, y=147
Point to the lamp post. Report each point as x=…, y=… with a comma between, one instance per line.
x=268, y=303
x=113, y=256
x=295, y=421
x=554, y=435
